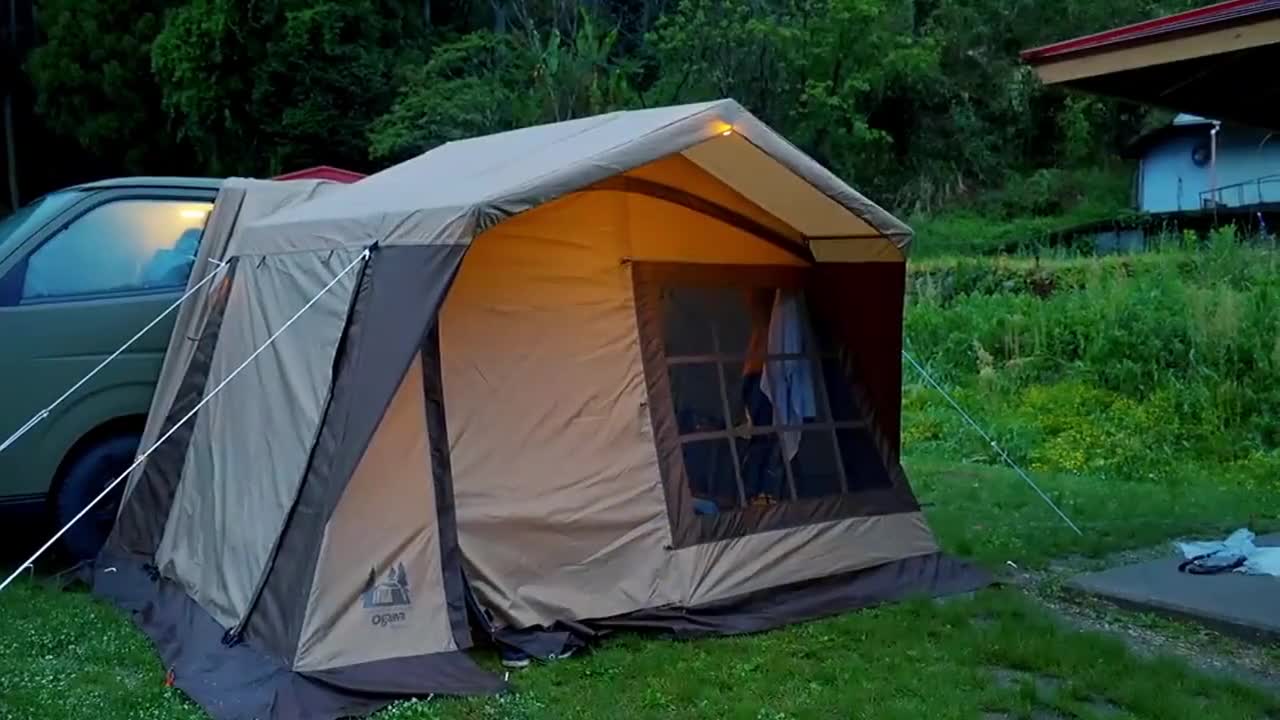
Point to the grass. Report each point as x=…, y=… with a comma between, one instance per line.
x=1156, y=368
x=1140, y=391
x=991, y=515
x=66, y=655
x=1027, y=212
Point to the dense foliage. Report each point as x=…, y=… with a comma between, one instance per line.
x=919, y=102
x=1157, y=367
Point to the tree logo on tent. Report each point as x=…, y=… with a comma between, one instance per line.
x=391, y=592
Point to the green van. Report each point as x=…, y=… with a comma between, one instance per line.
x=81, y=271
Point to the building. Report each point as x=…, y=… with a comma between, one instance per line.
x=1210, y=61
x=1195, y=173
x=1198, y=164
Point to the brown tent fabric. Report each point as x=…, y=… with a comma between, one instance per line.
x=541, y=408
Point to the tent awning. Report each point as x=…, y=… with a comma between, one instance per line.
x=1215, y=61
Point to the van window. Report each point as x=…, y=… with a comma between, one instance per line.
x=19, y=225
x=122, y=246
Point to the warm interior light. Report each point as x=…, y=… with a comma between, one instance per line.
x=194, y=214
x=728, y=132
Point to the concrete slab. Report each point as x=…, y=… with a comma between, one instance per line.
x=1245, y=605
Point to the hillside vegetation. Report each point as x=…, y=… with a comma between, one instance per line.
x=918, y=103
x=1163, y=366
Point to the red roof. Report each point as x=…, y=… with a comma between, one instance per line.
x=322, y=172
x=1223, y=13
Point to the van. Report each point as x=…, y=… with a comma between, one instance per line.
x=82, y=270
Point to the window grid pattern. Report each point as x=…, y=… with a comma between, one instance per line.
x=736, y=425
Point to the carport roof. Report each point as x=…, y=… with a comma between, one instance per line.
x=1212, y=61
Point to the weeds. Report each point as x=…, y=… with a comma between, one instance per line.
x=1146, y=368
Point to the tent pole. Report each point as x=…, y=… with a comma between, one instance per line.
x=30, y=563
x=35, y=419
x=999, y=451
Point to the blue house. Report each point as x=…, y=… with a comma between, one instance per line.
x=1196, y=164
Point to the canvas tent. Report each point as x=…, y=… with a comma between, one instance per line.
x=638, y=370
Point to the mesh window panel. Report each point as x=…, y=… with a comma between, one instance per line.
x=694, y=318
x=764, y=477
x=695, y=392
x=709, y=466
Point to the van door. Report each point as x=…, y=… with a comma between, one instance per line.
x=69, y=298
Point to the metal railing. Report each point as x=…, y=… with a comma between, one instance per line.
x=1264, y=189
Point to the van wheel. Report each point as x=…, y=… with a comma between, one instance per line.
x=90, y=472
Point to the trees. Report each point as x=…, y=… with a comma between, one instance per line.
x=93, y=83
x=257, y=87
x=469, y=87
x=919, y=102
x=487, y=82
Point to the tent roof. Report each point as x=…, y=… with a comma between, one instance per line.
x=457, y=190
x=1206, y=61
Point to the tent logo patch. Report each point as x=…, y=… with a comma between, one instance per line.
x=391, y=592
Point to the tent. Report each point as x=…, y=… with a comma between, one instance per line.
x=633, y=371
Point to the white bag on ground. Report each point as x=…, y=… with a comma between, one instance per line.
x=1238, y=545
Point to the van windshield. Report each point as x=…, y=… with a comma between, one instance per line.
x=16, y=227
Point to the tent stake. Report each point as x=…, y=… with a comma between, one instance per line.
x=35, y=419
x=999, y=451
x=30, y=563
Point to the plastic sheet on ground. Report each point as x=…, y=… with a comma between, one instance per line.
x=1239, y=544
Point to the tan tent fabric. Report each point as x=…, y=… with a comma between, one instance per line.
x=455, y=191
x=385, y=521
x=549, y=424
x=547, y=417
x=678, y=171
x=237, y=485
x=239, y=201
x=655, y=231
x=849, y=250
x=482, y=416
x=715, y=571
x=763, y=180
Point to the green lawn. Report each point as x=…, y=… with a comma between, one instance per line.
x=996, y=655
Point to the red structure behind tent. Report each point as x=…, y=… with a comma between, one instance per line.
x=322, y=172
x=1210, y=61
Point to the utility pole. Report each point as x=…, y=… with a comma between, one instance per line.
x=10, y=144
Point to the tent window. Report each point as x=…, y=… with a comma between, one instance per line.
x=749, y=383
x=759, y=418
